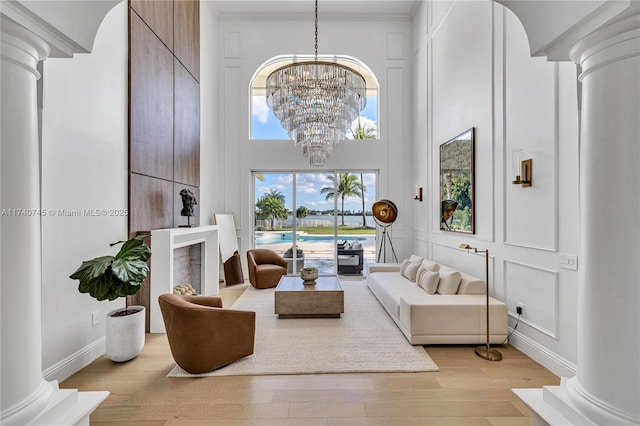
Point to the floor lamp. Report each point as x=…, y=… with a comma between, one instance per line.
x=485, y=351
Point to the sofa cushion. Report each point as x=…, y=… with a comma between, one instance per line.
x=430, y=265
x=428, y=280
x=409, y=270
x=449, y=281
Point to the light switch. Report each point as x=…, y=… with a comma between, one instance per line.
x=569, y=261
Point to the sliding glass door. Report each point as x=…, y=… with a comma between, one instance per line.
x=321, y=220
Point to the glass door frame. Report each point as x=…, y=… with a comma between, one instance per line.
x=294, y=174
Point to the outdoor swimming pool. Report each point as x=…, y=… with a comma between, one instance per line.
x=263, y=238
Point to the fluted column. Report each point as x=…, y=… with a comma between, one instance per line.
x=24, y=392
x=606, y=388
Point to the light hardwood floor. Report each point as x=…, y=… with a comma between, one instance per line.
x=466, y=391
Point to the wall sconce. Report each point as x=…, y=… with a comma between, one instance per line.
x=418, y=196
x=522, y=169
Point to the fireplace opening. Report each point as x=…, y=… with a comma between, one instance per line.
x=187, y=267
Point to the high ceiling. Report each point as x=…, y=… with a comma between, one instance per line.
x=362, y=9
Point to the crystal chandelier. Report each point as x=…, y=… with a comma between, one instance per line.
x=316, y=102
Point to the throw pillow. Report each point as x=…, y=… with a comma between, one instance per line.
x=430, y=265
x=356, y=245
x=428, y=280
x=449, y=281
x=409, y=270
x=415, y=259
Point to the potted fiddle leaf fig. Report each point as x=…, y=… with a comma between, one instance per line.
x=112, y=277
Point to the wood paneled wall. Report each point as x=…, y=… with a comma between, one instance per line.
x=164, y=116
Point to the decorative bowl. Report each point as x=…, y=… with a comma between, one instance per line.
x=309, y=275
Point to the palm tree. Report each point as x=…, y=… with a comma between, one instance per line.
x=360, y=132
x=301, y=213
x=271, y=206
x=348, y=186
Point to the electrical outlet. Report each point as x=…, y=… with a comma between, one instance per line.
x=520, y=308
x=95, y=317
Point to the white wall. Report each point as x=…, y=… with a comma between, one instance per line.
x=84, y=166
x=385, y=46
x=473, y=69
x=209, y=192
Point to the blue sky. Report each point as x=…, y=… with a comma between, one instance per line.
x=264, y=125
x=309, y=186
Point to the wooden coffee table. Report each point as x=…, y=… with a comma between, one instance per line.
x=293, y=299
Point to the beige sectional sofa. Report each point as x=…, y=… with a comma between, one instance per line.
x=424, y=318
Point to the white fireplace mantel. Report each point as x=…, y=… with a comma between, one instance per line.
x=163, y=244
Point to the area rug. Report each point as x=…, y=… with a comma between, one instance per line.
x=364, y=339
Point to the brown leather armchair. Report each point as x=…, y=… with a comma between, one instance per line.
x=202, y=334
x=265, y=267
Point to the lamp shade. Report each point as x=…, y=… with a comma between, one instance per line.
x=384, y=212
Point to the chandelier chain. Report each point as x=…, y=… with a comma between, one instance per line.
x=316, y=46
x=316, y=102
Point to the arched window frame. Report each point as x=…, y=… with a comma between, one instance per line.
x=257, y=85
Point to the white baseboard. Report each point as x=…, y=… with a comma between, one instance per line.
x=76, y=361
x=548, y=359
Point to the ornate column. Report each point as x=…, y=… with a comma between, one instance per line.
x=24, y=392
x=607, y=387
x=26, y=39
x=604, y=39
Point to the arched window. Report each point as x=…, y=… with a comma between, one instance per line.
x=264, y=125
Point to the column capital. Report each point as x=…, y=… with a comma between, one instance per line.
x=613, y=42
x=21, y=47
x=68, y=27
x=554, y=27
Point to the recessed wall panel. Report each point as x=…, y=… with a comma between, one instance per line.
x=187, y=35
x=395, y=48
x=153, y=201
x=232, y=45
x=530, y=218
x=158, y=15
x=151, y=103
x=537, y=290
x=462, y=91
x=186, y=161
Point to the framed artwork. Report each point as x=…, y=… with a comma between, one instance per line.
x=456, y=183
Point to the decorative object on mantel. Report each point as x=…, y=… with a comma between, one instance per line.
x=385, y=213
x=316, y=102
x=522, y=169
x=485, y=351
x=188, y=202
x=309, y=275
x=111, y=277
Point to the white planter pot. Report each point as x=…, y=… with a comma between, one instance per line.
x=125, y=334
